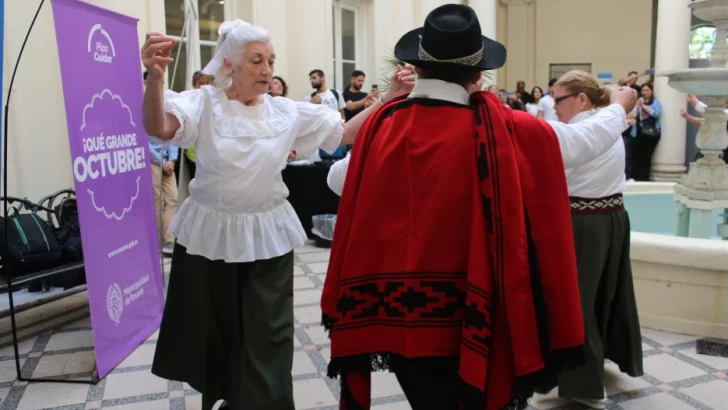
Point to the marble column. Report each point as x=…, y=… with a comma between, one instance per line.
x=671, y=53
x=521, y=43
x=487, y=11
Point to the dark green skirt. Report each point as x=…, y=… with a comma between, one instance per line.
x=227, y=331
x=611, y=321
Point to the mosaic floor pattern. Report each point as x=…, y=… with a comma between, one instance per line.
x=676, y=377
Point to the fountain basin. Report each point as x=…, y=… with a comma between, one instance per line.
x=710, y=10
x=681, y=283
x=699, y=81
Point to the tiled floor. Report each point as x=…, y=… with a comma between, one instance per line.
x=677, y=378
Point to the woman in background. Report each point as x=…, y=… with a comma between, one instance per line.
x=646, y=131
x=532, y=107
x=278, y=87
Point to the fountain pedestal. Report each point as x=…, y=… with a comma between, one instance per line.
x=705, y=187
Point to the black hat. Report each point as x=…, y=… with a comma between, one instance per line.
x=451, y=36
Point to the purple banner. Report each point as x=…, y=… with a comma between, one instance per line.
x=102, y=88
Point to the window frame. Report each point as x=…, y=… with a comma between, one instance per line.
x=193, y=42
x=357, y=7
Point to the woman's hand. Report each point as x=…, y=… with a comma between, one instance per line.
x=156, y=53
x=401, y=83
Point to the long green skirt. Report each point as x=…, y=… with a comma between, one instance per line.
x=611, y=321
x=227, y=331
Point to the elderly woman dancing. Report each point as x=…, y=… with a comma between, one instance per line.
x=227, y=328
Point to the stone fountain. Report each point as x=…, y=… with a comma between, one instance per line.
x=705, y=187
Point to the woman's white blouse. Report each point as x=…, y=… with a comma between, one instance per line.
x=602, y=176
x=237, y=210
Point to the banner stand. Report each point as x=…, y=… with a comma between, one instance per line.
x=110, y=154
x=13, y=322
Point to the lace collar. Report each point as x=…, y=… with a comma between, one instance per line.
x=268, y=120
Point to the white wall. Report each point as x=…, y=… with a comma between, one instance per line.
x=39, y=160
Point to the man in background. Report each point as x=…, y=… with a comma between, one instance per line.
x=526, y=97
x=163, y=157
x=356, y=99
x=324, y=95
x=198, y=80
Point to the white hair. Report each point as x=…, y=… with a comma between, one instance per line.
x=233, y=37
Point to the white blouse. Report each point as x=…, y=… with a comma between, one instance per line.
x=237, y=209
x=602, y=176
x=580, y=142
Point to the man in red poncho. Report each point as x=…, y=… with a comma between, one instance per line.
x=453, y=259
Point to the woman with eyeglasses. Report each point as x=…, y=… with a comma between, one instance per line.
x=602, y=238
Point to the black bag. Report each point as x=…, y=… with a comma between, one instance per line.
x=69, y=230
x=648, y=127
x=31, y=247
x=69, y=238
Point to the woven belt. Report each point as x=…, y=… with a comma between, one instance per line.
x=587, y=206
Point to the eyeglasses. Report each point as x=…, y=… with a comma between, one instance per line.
x=563, y=97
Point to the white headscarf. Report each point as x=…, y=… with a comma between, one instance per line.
x=224, y=45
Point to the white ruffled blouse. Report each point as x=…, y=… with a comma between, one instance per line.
x=237, y=209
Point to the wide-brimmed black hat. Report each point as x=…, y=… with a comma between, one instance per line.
x=451, y=36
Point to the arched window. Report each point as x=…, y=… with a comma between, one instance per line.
x=702, y=39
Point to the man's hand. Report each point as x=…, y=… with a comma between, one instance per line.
x=315, y=99
x=401, y=83
x=369, y=101
x=169, y=168
x=624, y=96
x=476, y=86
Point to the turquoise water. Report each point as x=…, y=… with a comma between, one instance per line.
x=656, y=213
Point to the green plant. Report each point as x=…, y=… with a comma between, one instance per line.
x=390, y=64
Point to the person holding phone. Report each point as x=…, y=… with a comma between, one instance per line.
x=354, y=97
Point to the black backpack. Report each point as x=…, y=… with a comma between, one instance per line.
x=32, y=245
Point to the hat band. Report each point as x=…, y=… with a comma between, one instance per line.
x=471, y=60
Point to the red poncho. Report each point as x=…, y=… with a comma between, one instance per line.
x=453, y=238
